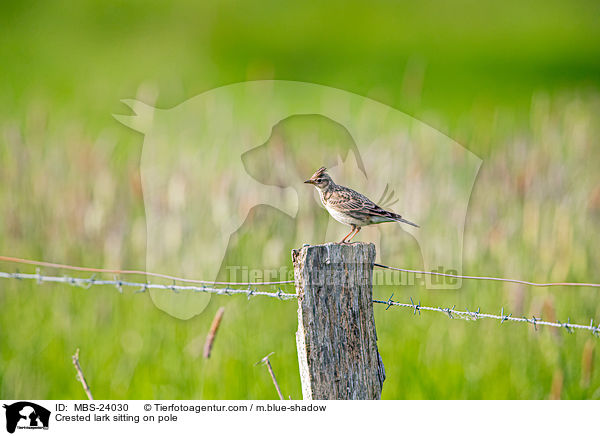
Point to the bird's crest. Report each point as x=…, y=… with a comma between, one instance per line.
x=319, y=172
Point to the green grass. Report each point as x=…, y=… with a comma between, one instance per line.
x=518, y=85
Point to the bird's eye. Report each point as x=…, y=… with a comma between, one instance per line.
x=319, y=180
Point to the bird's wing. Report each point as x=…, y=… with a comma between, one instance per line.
x=355, y=204
x=350, y=201
x=346, y=200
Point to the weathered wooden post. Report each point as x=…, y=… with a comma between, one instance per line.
x=336, y=338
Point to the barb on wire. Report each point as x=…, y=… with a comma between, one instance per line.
x=134, y=272
x=416, y=307
x=473, y=316
x=142, y=287
x=389, y=299
x=498, y=279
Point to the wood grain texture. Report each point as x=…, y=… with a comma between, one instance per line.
x=336, y=337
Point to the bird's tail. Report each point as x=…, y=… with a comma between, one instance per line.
x=398, y=218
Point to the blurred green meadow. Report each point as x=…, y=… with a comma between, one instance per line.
x=517, y=84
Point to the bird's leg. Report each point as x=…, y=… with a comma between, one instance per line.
x=354, y=234
x=343, y=241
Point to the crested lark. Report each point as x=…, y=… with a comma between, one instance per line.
x=350, y=207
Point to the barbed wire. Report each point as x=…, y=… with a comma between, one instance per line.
x=135, y=272
x=280, y=282
x=142, y=287
x=475, y=315
x=499, y=279
x=281, y=295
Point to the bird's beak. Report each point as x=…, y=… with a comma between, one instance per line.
x=308, y=181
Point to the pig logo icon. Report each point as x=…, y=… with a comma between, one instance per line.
x=222, y=181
